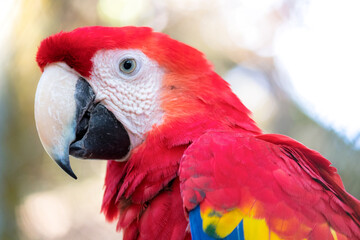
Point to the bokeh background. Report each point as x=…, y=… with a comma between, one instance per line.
x=294, y=63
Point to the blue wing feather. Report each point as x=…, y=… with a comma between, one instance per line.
x=197, y=232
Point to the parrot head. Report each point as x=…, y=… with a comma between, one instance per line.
x=104, y=91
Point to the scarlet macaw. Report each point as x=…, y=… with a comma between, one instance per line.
x=185, y=158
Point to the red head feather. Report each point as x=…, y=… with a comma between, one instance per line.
x=76, y=48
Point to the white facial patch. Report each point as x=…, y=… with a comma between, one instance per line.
x=132, y=97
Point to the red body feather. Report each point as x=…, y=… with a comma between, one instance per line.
x=289, y=182
x=207, y=149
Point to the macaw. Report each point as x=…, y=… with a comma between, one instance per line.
x=185, y=159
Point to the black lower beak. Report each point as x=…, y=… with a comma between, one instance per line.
x=99, y=135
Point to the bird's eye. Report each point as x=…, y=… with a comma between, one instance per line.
x=128, y=65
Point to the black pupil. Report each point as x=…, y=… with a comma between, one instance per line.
x=128, y=64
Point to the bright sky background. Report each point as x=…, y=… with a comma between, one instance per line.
x=322, y=59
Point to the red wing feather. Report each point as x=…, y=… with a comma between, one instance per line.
x=294, y=188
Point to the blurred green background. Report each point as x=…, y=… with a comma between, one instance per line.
x=38, y=200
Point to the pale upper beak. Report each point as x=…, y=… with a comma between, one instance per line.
x=55, y=110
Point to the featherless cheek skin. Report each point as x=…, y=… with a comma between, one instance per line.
x=185, y=159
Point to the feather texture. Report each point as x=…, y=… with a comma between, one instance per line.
x=270, y=177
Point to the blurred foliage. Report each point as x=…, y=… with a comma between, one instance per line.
x=25, y=169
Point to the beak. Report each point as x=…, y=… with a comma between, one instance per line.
x=69, y=121
x=55, y=110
